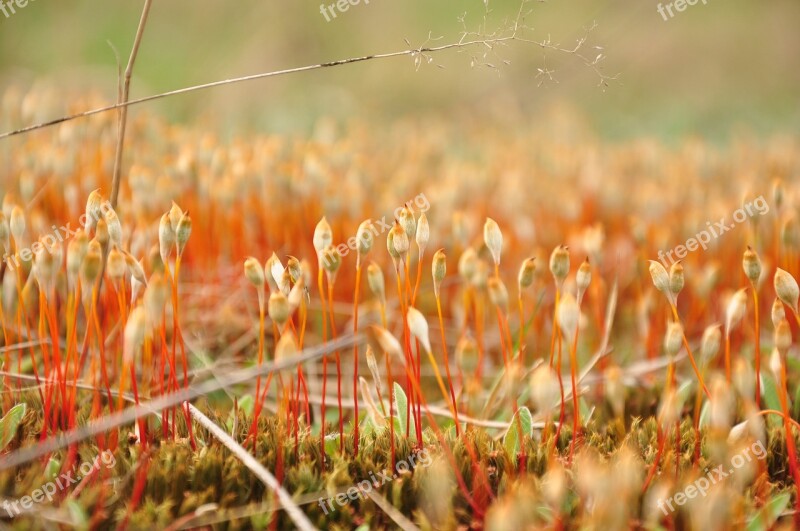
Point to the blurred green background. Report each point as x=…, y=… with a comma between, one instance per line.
x=712, y=69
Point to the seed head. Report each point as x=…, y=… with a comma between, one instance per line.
x=660, y=278
x=776, y=363
x=331, y=261
x=583, y=278
x=778, y=312
x=786, y=288
x=468, y=264
x=673, y=339
x=101, y=234
x=418, y=327
x=751, y=265
x=676, y=280
x=467, y=354
x=734, y=313
x=383, y=341
x=94, y=211
x=559, y=264
x=116, y=264
x=498, y=294
x=323, y=237
x=114, y=227
x=273, y=272
x=134, y=334
x=76, y=250
x=493, y=238
x=175, y=215
x=253, y=272
x=92, y=264
x=155, y=296
x=399, y=238
x=783, y=336
x=17, y=224
x=183, y=231
x=166, y=238
x=712, y=338
x=438, y=270
x=423, y=233
x=364, y=238
x=376, y=281
x=294, y=269
x=544, y=388
x=135, y=268
x=406, y=219
x=296, y=295
x=526, y=274
x=278, y=308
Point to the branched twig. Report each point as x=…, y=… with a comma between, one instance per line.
x=298, y=517
x=123, y=98
x=420, y=54
x=129, y=415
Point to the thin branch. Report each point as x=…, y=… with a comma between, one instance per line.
x=292, y=510
x=129, y=415
x=123, y=114
x=419, y=54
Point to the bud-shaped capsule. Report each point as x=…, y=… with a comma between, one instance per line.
x=253, y=272
x=116, y=264
x=407, y=221
x=467, y=264
x=114, y=227
x=583, y=278
x=751, y=265
x=676, y=279
x=418, y=326
x=673, y=339
x=423, y=233
x=183, y=231
x=323, y=237
x=712, y=338
x=778, y=312
x=660, y=277
x=166, y=238
x=526, y=273
x=438, y=271
x=278, y=308
x=559, y=264
x=734, y=313
x=493, y=238
x=364, y=238
x=467, y=354
x=786, y=288
x=783, y=336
